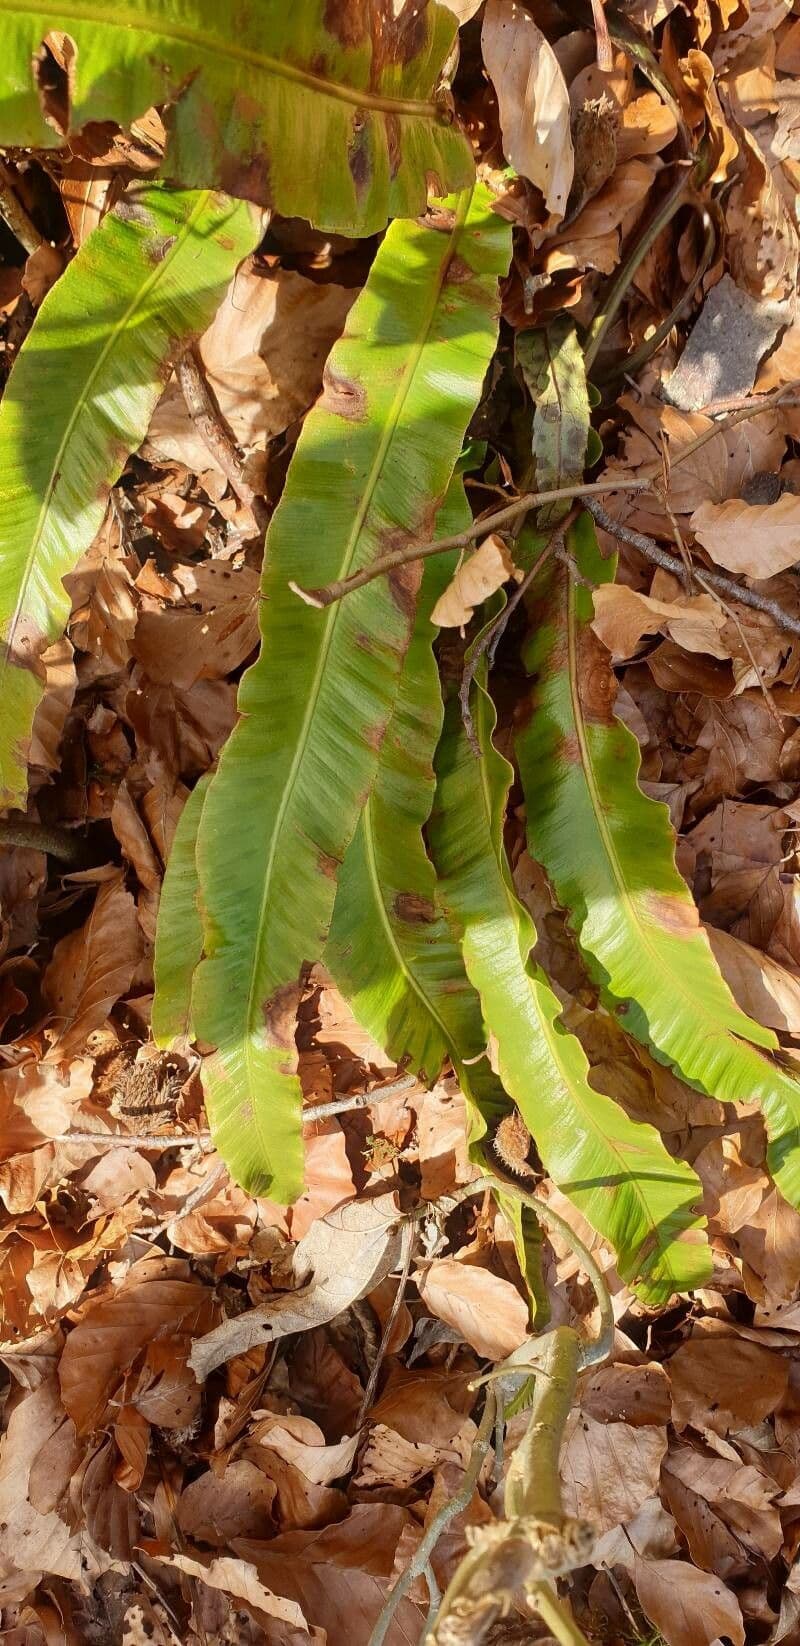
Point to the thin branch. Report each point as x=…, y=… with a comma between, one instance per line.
x=408, y=1238
x=489, y=638
x=214, y=431
x=461, y=540
x=731, y=612
x=671, y=563
x=134, y=1140
x=671, y=203
x=363, y=1100
x=751, y=408
x=441, y=1519
x=14, y=214
x=182, y=1140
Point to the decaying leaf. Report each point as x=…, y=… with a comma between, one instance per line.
x=345, y=1254
x=479, y=576
x=533, y=98
x=757, y=539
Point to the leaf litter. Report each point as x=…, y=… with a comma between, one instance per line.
x=166, y=1472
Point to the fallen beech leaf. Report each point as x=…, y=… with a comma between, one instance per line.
x=623, y=615
x=263, y=356
x=609, y=1469
x=533, y=100
x=340, y=1259
x=627, y=1394
x=760, y=985
x=758, y=539
x=477, y=577
x=487, y=1311
x=156, y=1300
x=389, y=1461
x=92, y=968
x=238, y=1579
x=690, y=1608
x=723, y=1383
x=217, y=1508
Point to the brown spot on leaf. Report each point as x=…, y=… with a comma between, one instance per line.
x=404, y=584
x=596, y=679
x=328, y=865
x=458, y=271
x=675, y=913
x=129, y=210
x=160, y=247
x=343, y=397
x=246, y=179
x=280, y=1013
x=393, y=145
x=417, y=910
x=358, y=156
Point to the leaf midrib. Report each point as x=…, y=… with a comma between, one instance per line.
x=79, y=407
x=106, y=16
x=383, y=914
x=549, y=1029
x=333, y=612
x=606, y=838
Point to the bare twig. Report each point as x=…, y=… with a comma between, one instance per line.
x=136, y=1140
x=14, y=214
x=214, y=431
x=750, y=408
x=489, y=638
x=362, y=1100
x=408, y=1239
x=730, y=611
x=461, y=540
x=671, y=563
x=417, y=1565
x=663, y=215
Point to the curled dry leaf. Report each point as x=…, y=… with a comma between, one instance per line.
x=338, y=1261
x=760, y=985
x=238, y=1579
x=754, y=538
x=477, y=577
x=623, y=616
x=533, y=99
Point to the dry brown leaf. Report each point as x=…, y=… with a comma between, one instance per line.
x=754, y=538
x=338, y=1261
x=299, y=1441
x=761, y=236
x=609, y=1469
x=480, y=575
x=487, y=1311
x=239, y=1579
x=689, y=1607
x=723, y=1383
x=91, y=969
x=263, y=354
x=389, y=1461
x=533, y=100
x=157, y=1300
x=744, y=1497
x=627, y=1394
x=763, y=988
x=238, y=1503
x=623, y=616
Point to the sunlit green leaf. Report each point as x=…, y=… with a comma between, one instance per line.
x=78, y=402
x=322, y=110
x=371, y=469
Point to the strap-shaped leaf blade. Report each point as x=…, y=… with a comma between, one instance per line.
x=79, y=400
x=321, y=110
x=609, y=851
x=616, y=1170
x=390, y=949
x=371, y=468
x=179, y=934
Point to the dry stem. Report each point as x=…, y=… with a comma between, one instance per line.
x=671, y=563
